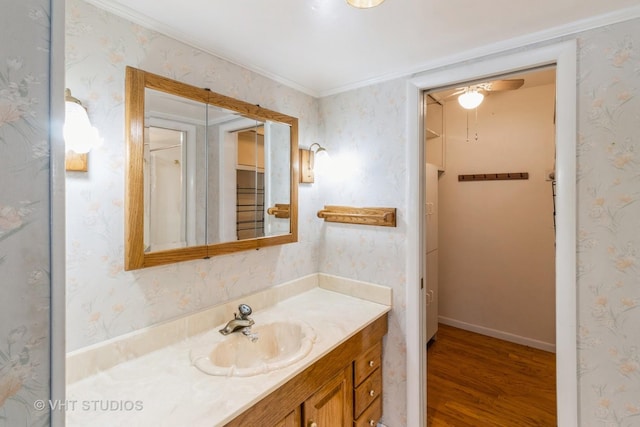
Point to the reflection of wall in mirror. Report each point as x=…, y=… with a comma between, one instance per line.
x=221, y=215
x=251, y=150
x=277, y=162
x=215, y=161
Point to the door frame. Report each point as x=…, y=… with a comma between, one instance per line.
x=564, y=56
x=57, y=328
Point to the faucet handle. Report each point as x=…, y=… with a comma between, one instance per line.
x=244, y=311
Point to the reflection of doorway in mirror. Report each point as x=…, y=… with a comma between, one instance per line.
x=166, y=229
x=169, y=214
x=249, y=171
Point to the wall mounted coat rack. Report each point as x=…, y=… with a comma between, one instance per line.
x=494, y=176
x=385, y=217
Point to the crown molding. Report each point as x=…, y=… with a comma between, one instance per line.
x=152, y=24
x=551, y=34
x=547, y=35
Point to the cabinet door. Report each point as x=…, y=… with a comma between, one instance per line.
x=292, y=420
x=332, y=405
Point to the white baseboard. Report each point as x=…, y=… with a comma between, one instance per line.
x=540, y=345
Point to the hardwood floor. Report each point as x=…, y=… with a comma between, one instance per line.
x=479, y=381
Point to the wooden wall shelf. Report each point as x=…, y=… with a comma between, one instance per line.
x=385, y=217
x=280, y=210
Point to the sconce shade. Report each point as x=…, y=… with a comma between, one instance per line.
x=79, y=135
x=470, y=99
x=309, y=161
x=321, y=159
x=364, y=4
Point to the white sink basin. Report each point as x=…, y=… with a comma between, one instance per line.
x=279, y=344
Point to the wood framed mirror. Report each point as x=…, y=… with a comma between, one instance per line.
x=206, y=174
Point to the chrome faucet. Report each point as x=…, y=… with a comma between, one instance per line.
x=240, y=322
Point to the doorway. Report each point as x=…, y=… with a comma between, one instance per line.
x=563, y=55
x=489, y=225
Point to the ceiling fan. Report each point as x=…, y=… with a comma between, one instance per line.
x=471, y=96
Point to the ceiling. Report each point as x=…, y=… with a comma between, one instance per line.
x=326, y=46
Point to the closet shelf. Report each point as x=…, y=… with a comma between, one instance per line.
x=385, y=217
x=432, y=134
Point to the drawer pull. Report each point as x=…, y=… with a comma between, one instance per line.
x=371, y=363
x=372, y=393
x=372, y=423
x=313, y=424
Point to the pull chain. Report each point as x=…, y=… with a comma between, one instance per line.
x=476, y=124
x=467, y=126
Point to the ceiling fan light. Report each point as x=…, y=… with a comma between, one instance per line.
x=470, y=99
x=364, y=4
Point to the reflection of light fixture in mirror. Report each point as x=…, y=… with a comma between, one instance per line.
x=79, y=135
x=364, y=4
x=470, y=99
x=308, y=161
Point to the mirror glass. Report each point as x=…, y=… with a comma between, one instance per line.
x=249, y=171
x=174, y=171
x=206, y=174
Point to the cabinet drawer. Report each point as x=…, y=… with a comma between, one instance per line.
x=364, y=365
x=367, y=392
x=371, y=416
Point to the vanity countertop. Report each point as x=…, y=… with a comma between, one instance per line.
x=162, y=388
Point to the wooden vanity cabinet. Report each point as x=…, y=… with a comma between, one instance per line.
x=292, y=420
x=367, y=387
x=342, y=389
x=332, y=404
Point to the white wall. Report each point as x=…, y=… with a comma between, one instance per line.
x=496, y=238
x=103, y=300
x=366, y=137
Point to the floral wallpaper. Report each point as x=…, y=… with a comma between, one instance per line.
x=365, y=134
x=24, y=214
x=370, y=122
x=103, y=300
x=609, y=225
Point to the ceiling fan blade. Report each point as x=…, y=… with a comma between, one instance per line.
x=509, y=84
x=456, y=93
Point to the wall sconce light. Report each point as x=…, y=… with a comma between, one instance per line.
x=307, y=161
x=364, y=4
x=79, y=135
x=470, y=99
